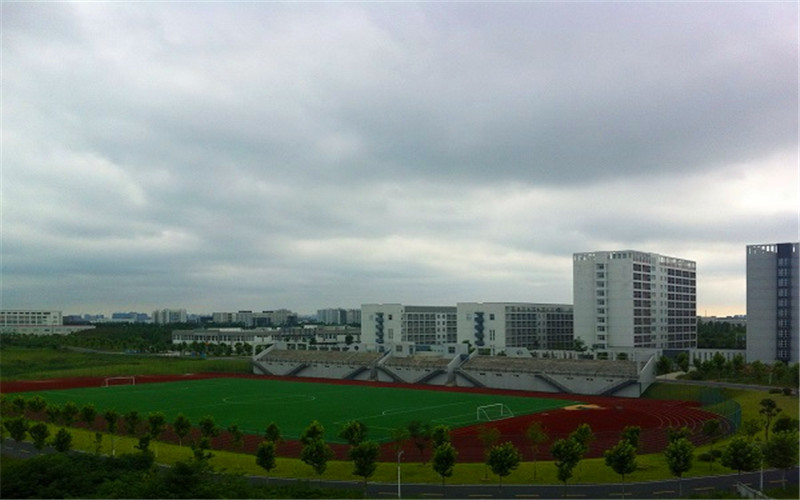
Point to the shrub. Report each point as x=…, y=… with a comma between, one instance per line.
x=775, y=390
x=787, y=391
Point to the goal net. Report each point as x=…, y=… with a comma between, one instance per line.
x=109, y=381
x=496, y=411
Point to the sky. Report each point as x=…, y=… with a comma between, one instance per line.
x=221, y=156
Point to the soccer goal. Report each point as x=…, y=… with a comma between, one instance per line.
x=496, y=411
x=129, y=380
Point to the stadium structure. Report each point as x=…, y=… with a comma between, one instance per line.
x=629, y=375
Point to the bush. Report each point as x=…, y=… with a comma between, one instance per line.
x=787, y=391
x=775, y=390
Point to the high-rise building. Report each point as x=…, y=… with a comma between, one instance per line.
x=772, y=302
x=166, y=316
x=496, y=326
x=631, y=299
x=393, y=323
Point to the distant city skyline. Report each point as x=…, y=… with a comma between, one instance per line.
x=226, y=156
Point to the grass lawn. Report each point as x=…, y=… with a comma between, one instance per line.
x=252, y=404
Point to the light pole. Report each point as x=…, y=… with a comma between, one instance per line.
x=399, y=454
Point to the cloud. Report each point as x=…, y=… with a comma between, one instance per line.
x=254, y=156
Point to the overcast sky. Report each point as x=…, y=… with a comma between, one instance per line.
x=227, y=156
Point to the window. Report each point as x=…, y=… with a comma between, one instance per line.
x=491, y=316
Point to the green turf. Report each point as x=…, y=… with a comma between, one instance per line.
x=252, y=404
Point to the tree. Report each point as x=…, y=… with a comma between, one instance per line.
x=18, y=403
x=664, y=365
x=208, y=427
x=741, y=454
x=354, y=432
x=313, y=432
x=676, y=433
x=781, y=451
x=679, y=454
x=536, y=436
x=88, y=415
x=488, y=436
x=53, y=413
x=632, y=434
x=181, y=426
x=712, y=429
x=567, y=454
x=769, y=410
x=444, y=460
x=785, y=423
x=399, y=438
x=440, y=435
x=39, y=433
x=17, y=427
x=622, y=460
x=36, y=405
x=683, y=362
x=316, y=453
x=584, y=436
x=62, y=441
x=273, y=433
x=132, y=420
x=265, y=455
x=420, y=434
x=69, y=412
x=112, y=419
x=237, y=435
x=156, y=424
x=365, y=459
x=503, y=458
x=751, y=427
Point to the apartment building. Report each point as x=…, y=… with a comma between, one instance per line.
x=772, y=302
x=394, y=323
x=633, y=299
x=495, y=326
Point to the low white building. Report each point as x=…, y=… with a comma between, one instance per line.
x=36, y=322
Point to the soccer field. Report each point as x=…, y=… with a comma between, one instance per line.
x=252, y=404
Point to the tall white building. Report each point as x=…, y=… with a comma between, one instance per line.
x=394, y=323
x=166, y=316
x=496, y=326
x=772, y=302
x=631, y=299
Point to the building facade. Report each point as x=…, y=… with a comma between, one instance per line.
x=36, y=322
x=394, y=323
x=631, y=299
x=494, y=327
x=167, y=316
x=772, y=302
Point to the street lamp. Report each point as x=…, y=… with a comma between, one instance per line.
x=399, y=454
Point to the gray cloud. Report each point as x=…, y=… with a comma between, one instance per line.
x=224, y=156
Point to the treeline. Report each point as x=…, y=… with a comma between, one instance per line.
x=134, y=475
x=778, y=374
x=720, y=335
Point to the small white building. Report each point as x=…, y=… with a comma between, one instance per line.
x=36, y=322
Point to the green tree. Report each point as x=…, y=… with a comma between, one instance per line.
x=62, y=441
x=112, y=420
x=420, y=434
x=237, y=436
x=676, y=433
x=440, y=435
x=88, y=415
x=39, y=433
x=712, y=429
x=785, y=423
x=683, y=362
x=18, y=403
x=567, y=454
x=273, y=433
x=354, y=432
x=208, y=427
x=768, y=410
x=181, y=426
x=781, y=451
x=751, y=427
x=503, y=459
x=584, y=436
x=664, y=365
x=622, y=460
x=17, y=427
x=741, y=454
x=632, y=434
x=365, y=459
x=132, y=421
x=679, y=455
x=315, y=431
x=536, y=436
x=488, y=436
x=53, y=413
x=316, y=453
x=69, y=412
x=444, y=460
x=156, y=425
x=266, y=455
x=36, y=405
